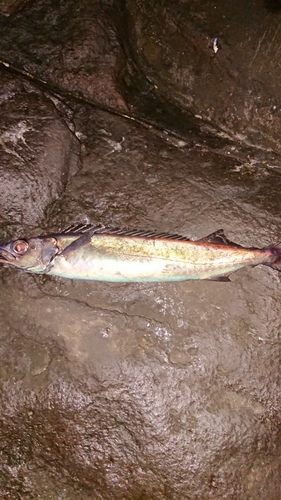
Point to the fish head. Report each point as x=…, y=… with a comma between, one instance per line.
x=33, y=254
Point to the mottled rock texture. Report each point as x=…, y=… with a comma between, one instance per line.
x=8, y=7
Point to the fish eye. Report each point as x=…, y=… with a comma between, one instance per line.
x=20, y=247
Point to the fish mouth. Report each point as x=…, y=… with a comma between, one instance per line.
x=6, y=257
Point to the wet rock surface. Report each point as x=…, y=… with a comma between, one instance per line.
x=136, y=391
x=72, y=45
x=38, y=154
x=217, y=59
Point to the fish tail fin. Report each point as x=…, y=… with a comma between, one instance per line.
x=276, y=256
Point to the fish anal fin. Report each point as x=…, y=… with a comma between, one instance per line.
x=219, y=278
x=218, y=238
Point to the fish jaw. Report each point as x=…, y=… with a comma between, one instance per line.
x=6, y=257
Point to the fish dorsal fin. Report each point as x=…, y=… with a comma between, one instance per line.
x=117, y=231
x=218, y=238
x=81, y=228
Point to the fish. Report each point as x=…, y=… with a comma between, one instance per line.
x=111, y=254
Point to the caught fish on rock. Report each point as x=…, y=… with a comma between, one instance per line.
x=119, y=255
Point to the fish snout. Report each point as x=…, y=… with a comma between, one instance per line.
x=5, y=255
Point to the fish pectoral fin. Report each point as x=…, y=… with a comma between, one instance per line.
x=218, y=278
x=218, y=238
x=75, y=245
